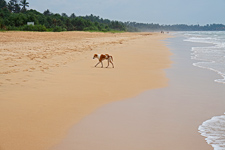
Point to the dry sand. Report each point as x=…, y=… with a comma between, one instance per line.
x=48, y=81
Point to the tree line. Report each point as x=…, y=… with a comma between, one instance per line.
x=177, y=27
x=14, y=15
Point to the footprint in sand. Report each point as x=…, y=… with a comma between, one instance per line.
x=25, y=70
x=32, y=68
x=13, y=66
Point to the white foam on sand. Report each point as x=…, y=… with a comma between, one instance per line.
x=211, y=57
x=214, y=131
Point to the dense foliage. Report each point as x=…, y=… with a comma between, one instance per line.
x=14, y=16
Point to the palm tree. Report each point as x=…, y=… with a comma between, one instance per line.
x=10, y=6
x=2, y=4
x=13, y=6
x=73, y=16
x=24, y=4
x=17, y=8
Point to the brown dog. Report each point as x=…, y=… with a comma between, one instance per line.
x=102, y=57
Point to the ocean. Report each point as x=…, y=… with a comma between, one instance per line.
x=210, y=56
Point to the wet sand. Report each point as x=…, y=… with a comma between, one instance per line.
x=48, y=81
x=158, y=119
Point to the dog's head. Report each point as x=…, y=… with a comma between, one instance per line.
x=95, y=56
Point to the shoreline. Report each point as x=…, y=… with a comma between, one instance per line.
x=49, y=83
x=165, y=118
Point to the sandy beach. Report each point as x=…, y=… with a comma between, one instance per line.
x=48, y=82
x=158, y=119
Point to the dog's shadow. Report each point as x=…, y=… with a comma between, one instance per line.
x=102, y=67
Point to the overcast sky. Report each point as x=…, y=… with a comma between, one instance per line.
x=146, y=11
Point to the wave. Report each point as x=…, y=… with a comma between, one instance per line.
x=214, y=131
x=211, y=57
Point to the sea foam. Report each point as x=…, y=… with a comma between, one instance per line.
x=210, y=56
x=214, y=131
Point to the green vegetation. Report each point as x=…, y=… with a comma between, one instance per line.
x=177, y=27
x=14, y=16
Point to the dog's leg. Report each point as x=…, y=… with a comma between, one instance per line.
x=108, y=64
x=110, y=60
x=111, y=63
x=102, y=64
x=97, y=64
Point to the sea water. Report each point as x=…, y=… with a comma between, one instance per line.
x=211, y=56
